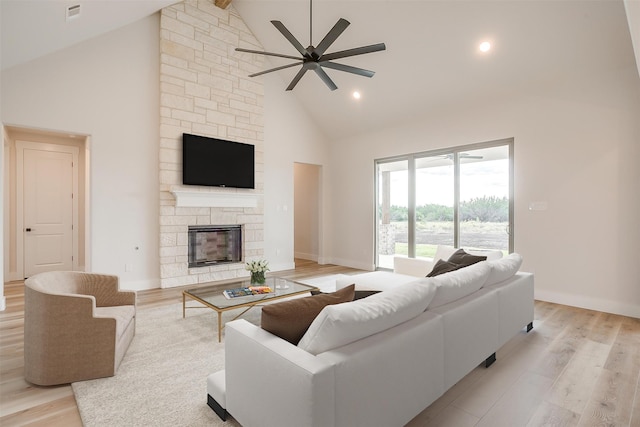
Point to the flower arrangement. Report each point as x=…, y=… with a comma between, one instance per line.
x=257, y=268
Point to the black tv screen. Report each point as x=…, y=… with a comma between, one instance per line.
x=216, y=162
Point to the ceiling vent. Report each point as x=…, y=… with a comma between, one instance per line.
x=72, y=12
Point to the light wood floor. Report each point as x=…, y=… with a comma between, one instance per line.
x=577, y=367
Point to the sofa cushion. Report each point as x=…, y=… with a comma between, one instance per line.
x=338, y=325
x=459, y=283
x=375, y=280
x=290, y=319
x=442, y=267
x=464, y=259
x=503, y=269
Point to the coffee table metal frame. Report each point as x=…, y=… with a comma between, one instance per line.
x=212, y=297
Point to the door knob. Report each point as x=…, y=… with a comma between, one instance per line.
x=27, y=230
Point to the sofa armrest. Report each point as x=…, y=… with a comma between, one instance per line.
x=418, y=267
x=271, y=382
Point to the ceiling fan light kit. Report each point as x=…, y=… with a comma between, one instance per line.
x=314, y=58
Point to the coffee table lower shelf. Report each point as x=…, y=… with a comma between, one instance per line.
x=212, y=296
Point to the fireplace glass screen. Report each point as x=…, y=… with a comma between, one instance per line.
x=209, y=245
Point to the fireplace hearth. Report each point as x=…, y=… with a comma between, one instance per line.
x=214, y=244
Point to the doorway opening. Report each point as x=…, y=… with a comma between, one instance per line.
x=46, y=194
x=307, y=215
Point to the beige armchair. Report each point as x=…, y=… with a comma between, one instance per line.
x=77, y=326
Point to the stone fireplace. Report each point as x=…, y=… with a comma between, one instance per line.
x=205, y=90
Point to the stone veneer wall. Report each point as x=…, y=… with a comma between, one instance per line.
x=204, y=90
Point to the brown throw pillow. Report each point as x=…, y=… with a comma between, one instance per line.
x=357, y=295
x=290, y=320
x=464, y=259
x=442, y=267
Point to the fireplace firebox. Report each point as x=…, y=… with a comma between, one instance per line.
x=214, y=244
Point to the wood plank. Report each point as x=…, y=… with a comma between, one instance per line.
x=574, y=386
x=518, y=404
x=612, y=401
x=549, y=414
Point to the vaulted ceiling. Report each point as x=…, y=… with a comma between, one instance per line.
x=432, y=61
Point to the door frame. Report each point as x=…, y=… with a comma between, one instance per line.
x=21, y=146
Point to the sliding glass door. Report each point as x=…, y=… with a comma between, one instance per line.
x=484, y=198
x=461, y=197
x=392, y=179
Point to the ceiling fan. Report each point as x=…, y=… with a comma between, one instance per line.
x=314, y=58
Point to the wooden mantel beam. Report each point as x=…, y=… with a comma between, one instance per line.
x=222, y=4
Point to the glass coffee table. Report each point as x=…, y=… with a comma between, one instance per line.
x=213, y=297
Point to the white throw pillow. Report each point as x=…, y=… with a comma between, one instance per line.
x=459, y=283
x=504, y=268
x=341, y=324
x=443, y=252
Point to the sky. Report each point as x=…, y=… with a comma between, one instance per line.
x=435, y=184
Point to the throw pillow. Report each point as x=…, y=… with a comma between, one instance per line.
x=442, y=267
x=504, y=268
x=341, y=324
x=459, y=283
x=290, y=320
x=357, y=295
x=464, y=259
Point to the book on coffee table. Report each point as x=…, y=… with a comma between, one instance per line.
x=246, y=291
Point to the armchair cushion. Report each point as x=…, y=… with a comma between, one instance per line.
x=123, y=314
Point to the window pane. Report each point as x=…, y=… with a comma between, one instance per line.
x=484, y=198
x=434, y=203
x=392, y=212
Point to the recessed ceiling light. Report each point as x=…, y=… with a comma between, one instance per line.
x=485, y=46
x=356, y=94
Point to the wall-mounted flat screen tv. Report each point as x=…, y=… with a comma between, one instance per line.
x=217, y=162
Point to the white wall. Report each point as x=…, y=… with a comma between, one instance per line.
x=3, y=304
x=106, y=88
x=290, y=136
x=576, y=147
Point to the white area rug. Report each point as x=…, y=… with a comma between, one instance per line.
x=162, y=380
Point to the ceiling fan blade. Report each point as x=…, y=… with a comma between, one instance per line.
x=348, y=69
x=352, y=52
x=280, y=26
x=268, y=53
x=297, y=78
x=274, y=69
x=325, y=78
x=331, y=37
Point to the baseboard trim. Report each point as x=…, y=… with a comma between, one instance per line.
x=597, y=304
x=139, y=285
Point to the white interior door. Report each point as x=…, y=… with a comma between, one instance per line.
x=48, y=210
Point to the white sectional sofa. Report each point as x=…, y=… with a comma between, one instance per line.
x=381, y=360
